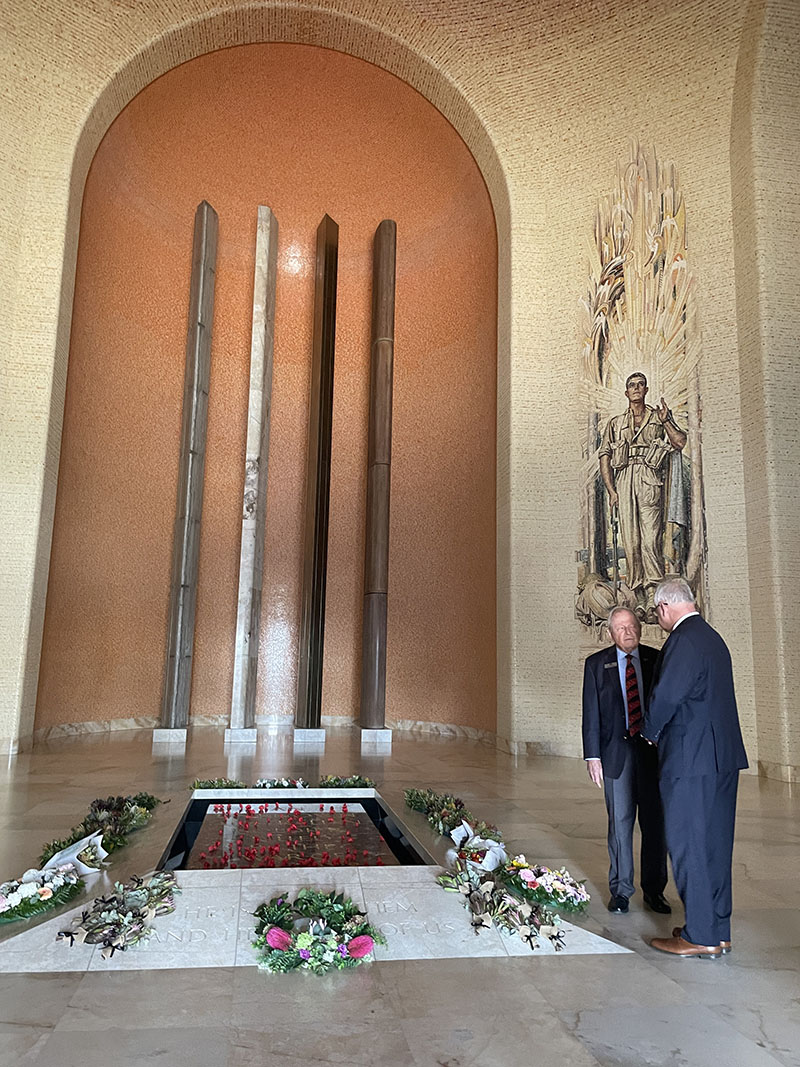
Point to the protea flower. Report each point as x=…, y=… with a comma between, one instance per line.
x=360, y=946
x=278, y=938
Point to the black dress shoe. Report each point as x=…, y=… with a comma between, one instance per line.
x=619, y=904
x=657, y=902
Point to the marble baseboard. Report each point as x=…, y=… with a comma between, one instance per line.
x=420, y=727
x=286, y=722
x=330, y=723
x=335, y=723
x=13, y=746
x=77, y=729
x=338, y=723
x=781, y=772
x=281, y=721
x=537, y=748
x=514, y=748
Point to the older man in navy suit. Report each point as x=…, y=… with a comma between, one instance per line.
x=615, y=681
x=692, y=718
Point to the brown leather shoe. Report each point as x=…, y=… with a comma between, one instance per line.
x=726, y=946
x=679, y=946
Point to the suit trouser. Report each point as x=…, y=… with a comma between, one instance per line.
x=636, y=788
x=699, y=815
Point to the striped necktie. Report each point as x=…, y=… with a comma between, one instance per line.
x=634, y=703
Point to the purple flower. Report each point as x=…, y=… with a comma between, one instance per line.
x=342, y=950
x=304, y=954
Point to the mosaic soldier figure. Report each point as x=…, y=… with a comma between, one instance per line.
x=633, y=455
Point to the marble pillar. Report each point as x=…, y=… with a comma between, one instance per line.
x=318, y=481
x=251, y=559
x=379, y=459
x=186, y=540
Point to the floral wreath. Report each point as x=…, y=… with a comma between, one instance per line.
x=315, y=932
x=125, y=917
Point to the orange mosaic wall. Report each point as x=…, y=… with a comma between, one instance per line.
x=304, y=130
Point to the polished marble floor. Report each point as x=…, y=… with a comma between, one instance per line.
x=632, y=1009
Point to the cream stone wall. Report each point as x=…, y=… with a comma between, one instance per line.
x=765, y=149
x=547, y=97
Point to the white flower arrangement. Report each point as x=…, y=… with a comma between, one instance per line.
x=482, y=853
x=87, y=855
x=37, y=891
x=281, y=783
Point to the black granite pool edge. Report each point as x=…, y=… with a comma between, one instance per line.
x=404, y=845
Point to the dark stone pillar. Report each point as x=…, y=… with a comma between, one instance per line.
x=318, y=480
x=376, y=561
x=186, y=542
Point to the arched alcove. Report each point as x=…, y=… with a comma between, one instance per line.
x=306, y=130
x=526, y=92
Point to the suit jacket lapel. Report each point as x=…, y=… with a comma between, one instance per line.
x=611, y=666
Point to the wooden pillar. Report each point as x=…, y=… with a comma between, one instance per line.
x=254, y=511
x=318, y=480
x=379, y=460
x=186, y=540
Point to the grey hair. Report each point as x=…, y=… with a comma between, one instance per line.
x=673, y=591
x=616, y=610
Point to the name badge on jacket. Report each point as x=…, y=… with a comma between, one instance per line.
x=609, y=666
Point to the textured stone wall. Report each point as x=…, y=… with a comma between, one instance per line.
x=546, y=97
x=765, y=150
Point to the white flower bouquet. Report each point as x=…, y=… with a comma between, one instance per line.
x=38, y=891
x=482, y=853
x=87, y=855
x=281, y=783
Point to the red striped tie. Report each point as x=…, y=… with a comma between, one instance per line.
x=634, y=703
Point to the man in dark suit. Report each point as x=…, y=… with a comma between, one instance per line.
x=615, y=682
x=692, y=718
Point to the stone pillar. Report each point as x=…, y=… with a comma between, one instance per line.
x=186, y=540
x=318, y=480
x=251, y=558
x=379, y=459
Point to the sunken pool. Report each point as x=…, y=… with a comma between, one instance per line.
x=230, y=829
